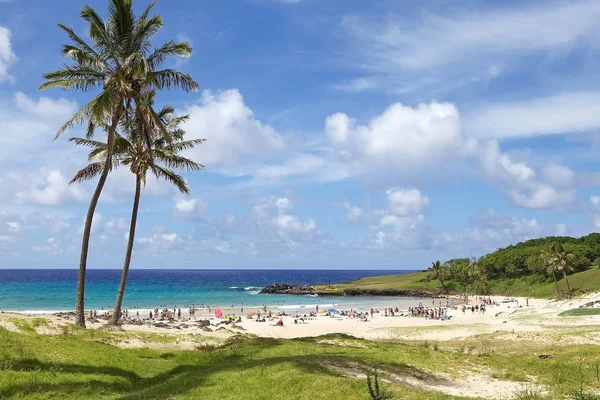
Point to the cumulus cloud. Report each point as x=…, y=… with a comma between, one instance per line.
x=191, y=208
x=400, y=225
x=46, y=108
x=406, y=202
x=402, y=138
x=7, y=56
x=28, y=126
x=48, y=187
x=275, y=215
x=495, y=230
x=520, y=181
x=233, y=135
x=559, y=175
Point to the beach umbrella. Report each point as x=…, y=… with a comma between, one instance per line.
x=334, y=310
x=218, y=313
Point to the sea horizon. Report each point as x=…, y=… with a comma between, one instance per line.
x=45, y=290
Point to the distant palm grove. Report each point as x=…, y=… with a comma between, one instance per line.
x=539, y=259
x=122, y=69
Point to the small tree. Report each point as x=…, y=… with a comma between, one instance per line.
x=555, y=258
x=375, y=390
x=437, y=271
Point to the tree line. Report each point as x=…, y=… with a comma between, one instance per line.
x=552, y=257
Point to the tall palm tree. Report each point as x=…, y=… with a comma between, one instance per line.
x=131, y=150
x=557, y=259
x=437, y=270
x=121, y=62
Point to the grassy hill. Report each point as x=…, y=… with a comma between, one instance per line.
x=528, y=286
x=80, y=364
x=526, y=269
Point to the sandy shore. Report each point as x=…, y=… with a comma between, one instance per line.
x=509, y=317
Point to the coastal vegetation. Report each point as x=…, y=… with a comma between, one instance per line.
x=90, y=364
x=544, y=267
x=123, y=65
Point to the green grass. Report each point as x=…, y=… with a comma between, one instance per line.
x=77, y=365
x=529, y=286
x=578, y=312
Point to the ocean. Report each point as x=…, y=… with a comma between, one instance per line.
x=44, y=290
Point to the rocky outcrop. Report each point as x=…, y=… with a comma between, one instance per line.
x=284, y=288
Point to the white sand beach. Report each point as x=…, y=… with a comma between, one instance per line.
x=511, y=317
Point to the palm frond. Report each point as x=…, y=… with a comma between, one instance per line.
x=176, y=161
x=172, y=177
x=93, y=144
x=171, y=79
x=90, y=171
x=170, y=48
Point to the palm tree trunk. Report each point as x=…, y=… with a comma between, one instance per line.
x=136, y=202
x=556, y=284
x=87, y=229
x=567, y=280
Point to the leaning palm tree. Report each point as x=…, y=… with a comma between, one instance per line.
x=557, y=259
x=121, y=62
x=437, y=271
x=130, y=150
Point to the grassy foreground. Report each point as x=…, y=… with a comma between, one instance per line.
x=82, y=364
x=529, y=286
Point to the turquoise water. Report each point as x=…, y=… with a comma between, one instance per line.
x=38, y=291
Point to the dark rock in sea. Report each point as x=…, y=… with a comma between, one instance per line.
x=285, y=288
x=206, y=329
x=161, y=325
x=203, y=323
x=183, y=326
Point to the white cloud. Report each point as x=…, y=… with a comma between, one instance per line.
x=49, y=246
x=557, y=114
x=275, y=216
x=406, y=202
x=490, y=230
x=49, y=187
x=292, y=224
x=7, y=56
x=430, y=47
x=14, y=227
x=234, y=137
x=559, y=175
x=185, y=205
x=28, y=127
x=46, y=108
x=561, y=230
x=191, y=208
x=402, y=139
x=519, y=181
x=357, y=85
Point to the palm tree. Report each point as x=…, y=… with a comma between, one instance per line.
x=131, y=151
x=557, y=259
x=437, y=269
x=121, y=62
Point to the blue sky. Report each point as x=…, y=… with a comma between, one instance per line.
x=339, y=135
